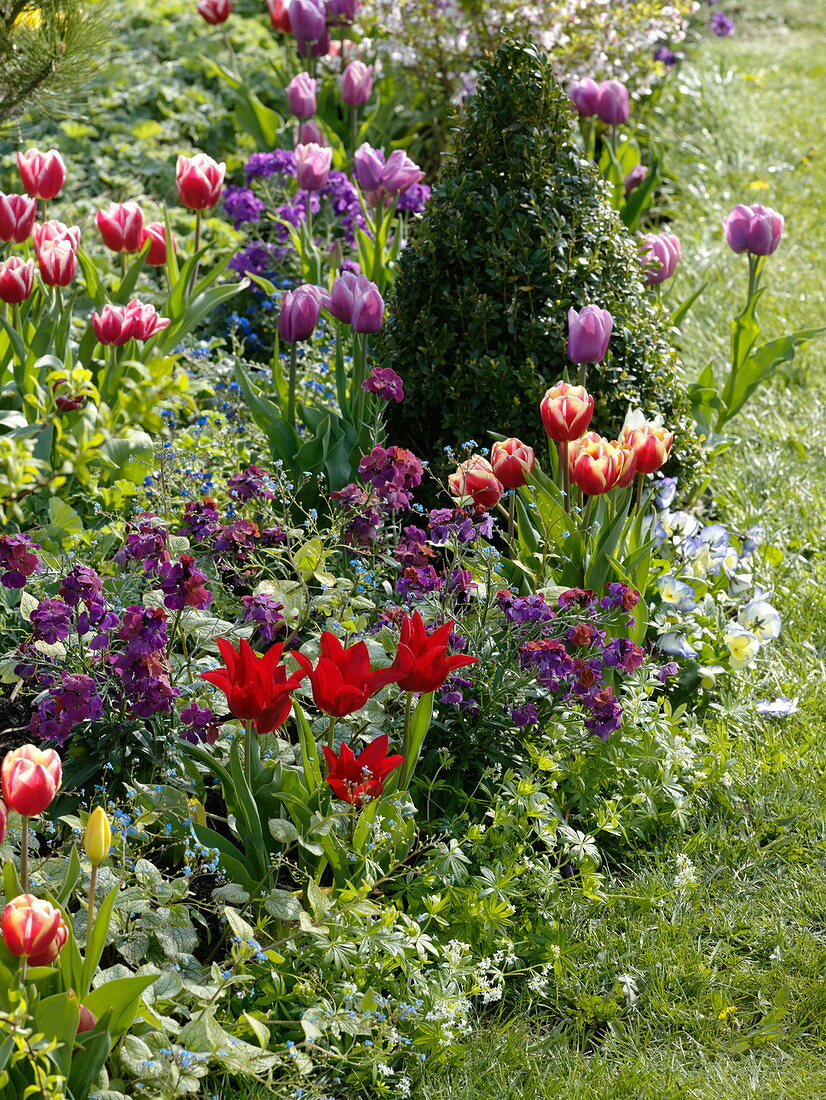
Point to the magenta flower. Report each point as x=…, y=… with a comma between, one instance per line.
x=754, y=229
x=312, y=166
x=588, y=334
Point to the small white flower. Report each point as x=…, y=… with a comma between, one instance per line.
x=743, y=645
x=760, y=617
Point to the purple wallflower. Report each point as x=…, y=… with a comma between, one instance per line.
x=242, y=205
x=141, y=666
x=145, y=542
x=266, y=613
x=183, y=584
x=665, y=55
x=144, y=629
x=393, y=472
x=200, y=724
x=721, y=24
x=525, y=716
x=18, y=560
x=577, y=597
x=280, y=162
x=99, y=618
x=605, y=713
x=201, y=519
x=413, y=200
x=417, y=581
x=524, y=609
x=384, y=383
x=255, y=258
x=81, y=585
x=254, y=483
x=238, y=538
x=74, y=700
x=619, y=596
x=52, y=621
x=412, y=547
x=550, y=661
x=624, y=654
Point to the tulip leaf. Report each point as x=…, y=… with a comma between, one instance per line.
x=759, y=365
x=91, y=1051
x=121, y=996
x=309, y=751
x=233, y=861
x=57, y=1018
x=96, y=940
x=417, y=731
x=70, y=877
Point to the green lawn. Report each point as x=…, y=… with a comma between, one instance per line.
x=730, y=973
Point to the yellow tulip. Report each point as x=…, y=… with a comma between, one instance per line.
x=97, y=839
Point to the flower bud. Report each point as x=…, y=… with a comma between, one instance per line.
x=113, y=326
x=121, y=226
x=17, y=214
x=33, y=929
x=368, y=306
x=86, y=1021
x=156, y=233
x=310, y=133
x=634, y=178
x=308, y=20
x=16, y=280
x=512, y=461
x=475, y=478
x=30, y=779
x=588, y=334
x=399, y=173
x=356, y=83
x=199, y=180
x=146, y=321
x=301, y=95
x=369, y=165
x=57, y=261
x=214, y=12
x=312, y=166
x=754, y=229
x=566, y=411
x=43, y=174
x=612, y=104
x=300, y=310
x=660, y=255
x=97, y=840
x=584, y=94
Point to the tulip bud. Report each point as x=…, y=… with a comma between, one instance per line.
x=43, y=174
x=214, y=12
x=299, y=313
x=308, y=19
x=312, y=166
x=310, y=133
x=3, y=819
x=114, y=326
x=343, y=296
x=754, y=229
x=280, y=15
x=17, y=214
x=368, y=307
x=56, y=231
x=16, y=280
x=399, y=173
x=475, y=478
x=634, y=178
x=121, y=226
x=566, y=411
x=86, y=1021
x=512, y=461
x=156, y=233
x=588, y=334
x=97, y=840
x=146, y=321
x=30, y=779
x=650, y=442
x=369, y=165
x=612, y=104
x=356, y=83
x=660, y=255
x=33, y=928
x=301, y=95
x=584, y=94
x=199, y=180
x=57, y=262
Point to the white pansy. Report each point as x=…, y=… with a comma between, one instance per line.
x=709, y=674
x=760, y=617
x=742, y=644
x=673, y=590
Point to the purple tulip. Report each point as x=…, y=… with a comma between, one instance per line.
x=369, y=165
x=612, y=104
x=301, y=96
x=368, y=307
x=315, y=47
x=754, y=229
x=299, y=313
x=356, y=83
x=343, y=296
x=342, y=11
x=312, y=166
x=309, y=132
x=584, y=94
x=660, y=254
x=308, y=19
x=399, y=173
x=588, y=334
x=634, y=178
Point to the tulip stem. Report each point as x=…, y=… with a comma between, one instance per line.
x=248, y=752
x=196, y=249
x=583, y=374
x=291, y=393
x=640, y=486
x=24, y=855
x=512, y=522
x=408, y=706
x=354, y=129
x=565, y=476
x=90, y=903
x=122, y=267
x=331, y=729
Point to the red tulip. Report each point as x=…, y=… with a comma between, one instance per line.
x=200, y=181
x=280, y=15
x=628, y=470
x=257, y=688
x=422, y=659
x=512, y=461
x=57, y=261
x=3, y=819
x=114, y=326
x=87, y=1020
x=475, y=478
x=30, y=779
x=566, y=411
x=43, y=174
x=342, y=679
x=651, y=444
x=17, y=214
x=121, y=226
x=56, y=231
x=360, y=779
x=214, y=11
x=34, y=929
x=146, y=321
x=595, y=465
x=16, y=280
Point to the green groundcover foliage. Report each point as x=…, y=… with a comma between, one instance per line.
x=518, y=230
